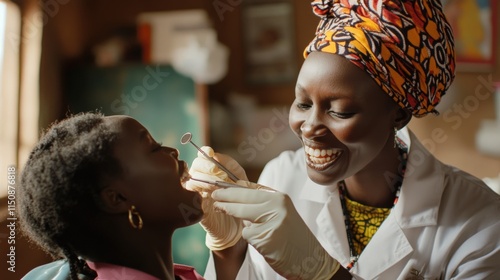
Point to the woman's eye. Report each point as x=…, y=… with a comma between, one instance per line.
x=303, y=106
x=340, y=115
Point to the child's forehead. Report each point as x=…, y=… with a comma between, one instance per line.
x=128, y=130
x=123, y=124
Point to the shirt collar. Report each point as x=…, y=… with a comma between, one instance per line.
x=107, y=271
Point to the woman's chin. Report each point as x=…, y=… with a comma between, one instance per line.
x=322, y=178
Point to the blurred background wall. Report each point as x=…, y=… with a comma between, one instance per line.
x=247, y=115
x=80, y=25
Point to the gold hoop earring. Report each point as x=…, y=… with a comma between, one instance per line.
x=132, y=212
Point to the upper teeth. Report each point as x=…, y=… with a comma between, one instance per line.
x=319, y=152
x=322, y=156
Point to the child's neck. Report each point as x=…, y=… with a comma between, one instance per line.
x=148, y=253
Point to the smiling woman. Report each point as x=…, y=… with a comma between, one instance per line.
x=363, y=199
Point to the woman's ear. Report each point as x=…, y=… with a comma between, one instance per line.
x=113, y=200
x=402, y=118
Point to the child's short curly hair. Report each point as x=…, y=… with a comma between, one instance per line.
x=60, y=182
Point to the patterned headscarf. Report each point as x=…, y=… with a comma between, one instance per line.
x=406, y=46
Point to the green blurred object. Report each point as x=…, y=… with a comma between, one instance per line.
x=165, y=102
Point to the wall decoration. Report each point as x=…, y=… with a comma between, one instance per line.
x=474, y=26
x=269, y=42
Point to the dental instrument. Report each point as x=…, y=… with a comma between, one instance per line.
x=186, y=138
x=221, y=184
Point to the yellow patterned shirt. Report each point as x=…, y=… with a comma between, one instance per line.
x=364, y=222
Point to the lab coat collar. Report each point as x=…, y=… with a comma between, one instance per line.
x=420, y=194
x=332, y=240
x=422, y=188
x=374, y=260
x=333, y=237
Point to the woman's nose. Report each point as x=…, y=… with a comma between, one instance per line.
x=313, y=126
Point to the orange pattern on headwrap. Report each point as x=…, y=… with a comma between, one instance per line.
x=407, y=47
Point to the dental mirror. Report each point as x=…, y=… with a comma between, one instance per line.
x=186, y=138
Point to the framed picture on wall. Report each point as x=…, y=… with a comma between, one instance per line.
x=269, y=42
x=474, y=26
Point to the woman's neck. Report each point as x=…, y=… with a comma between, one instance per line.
x=375, y=184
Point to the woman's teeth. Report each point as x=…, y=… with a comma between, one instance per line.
x=322, y=156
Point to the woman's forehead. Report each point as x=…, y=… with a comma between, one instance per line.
x=332, y=73
x=334, y=67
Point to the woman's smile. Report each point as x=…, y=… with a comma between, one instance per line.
x=321, y=158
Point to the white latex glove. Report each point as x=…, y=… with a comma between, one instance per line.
x=275, y=229
x=223, y=231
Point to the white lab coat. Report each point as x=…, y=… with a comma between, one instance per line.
x=446, y=224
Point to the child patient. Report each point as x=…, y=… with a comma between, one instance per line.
x=102, y=194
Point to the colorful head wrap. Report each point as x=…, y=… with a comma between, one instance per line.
x=407, y=47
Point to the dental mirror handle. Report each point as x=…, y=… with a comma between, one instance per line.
x=229, y=173
x=221, y=184
x=226, y=185
x=187, y=138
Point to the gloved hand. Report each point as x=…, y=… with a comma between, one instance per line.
x=223, y=231
x=275, y=229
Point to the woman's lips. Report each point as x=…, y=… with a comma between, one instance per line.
x=321, y=158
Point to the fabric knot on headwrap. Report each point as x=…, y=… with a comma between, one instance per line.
x=407, y=47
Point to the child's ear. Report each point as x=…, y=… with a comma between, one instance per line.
x=113, y=200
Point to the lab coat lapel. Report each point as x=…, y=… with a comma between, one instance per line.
x=420, y=194
x=331, y=231
x=387, y=247
x=422, y=189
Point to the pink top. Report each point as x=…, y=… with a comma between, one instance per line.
x=106, y=271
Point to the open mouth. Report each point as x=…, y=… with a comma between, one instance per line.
x=184, y=176
x=320, y=159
